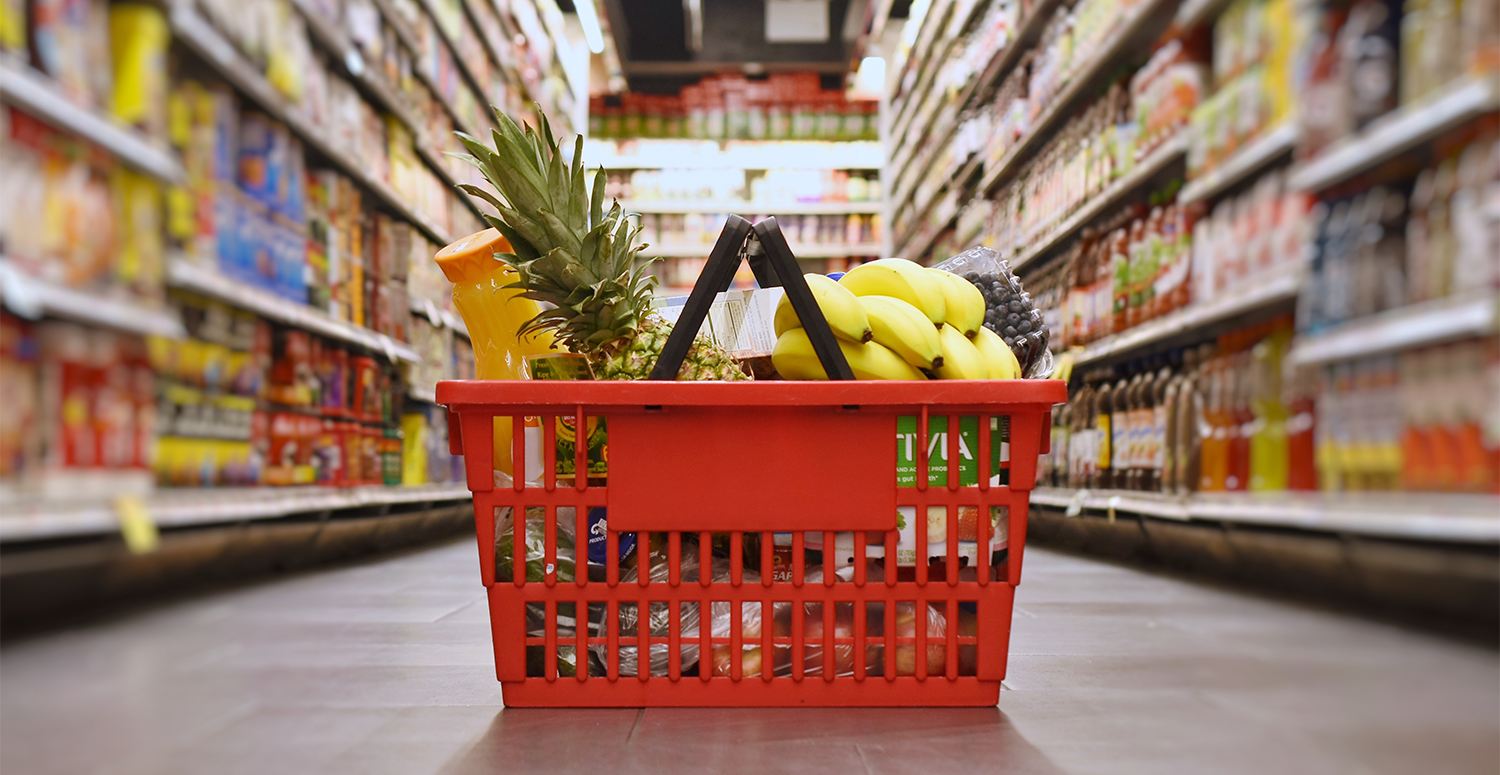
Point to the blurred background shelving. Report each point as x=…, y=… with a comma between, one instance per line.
x=216, y=240
x=1270, y=282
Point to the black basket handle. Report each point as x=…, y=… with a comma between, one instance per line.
x=774, y=265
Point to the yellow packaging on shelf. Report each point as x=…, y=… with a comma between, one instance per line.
x=413, y=449
x=493, y=314
x=138, y=38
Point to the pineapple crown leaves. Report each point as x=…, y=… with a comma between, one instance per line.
x=567, y=250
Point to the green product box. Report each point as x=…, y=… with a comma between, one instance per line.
x=937, y=450
x=569, y=366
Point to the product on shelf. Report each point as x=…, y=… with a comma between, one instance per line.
x=1382, y=249
x=784, y=106
x=1219, y=417
x=1255, y=47
x=72, y=215
x=84, y=414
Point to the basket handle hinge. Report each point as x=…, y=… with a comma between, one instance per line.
x=773, y=264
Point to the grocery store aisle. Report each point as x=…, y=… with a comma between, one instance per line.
x=386, y=667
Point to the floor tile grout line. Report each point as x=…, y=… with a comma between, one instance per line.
x=459, y=609
x=639, y=716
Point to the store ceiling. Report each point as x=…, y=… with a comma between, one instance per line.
x=652, y=37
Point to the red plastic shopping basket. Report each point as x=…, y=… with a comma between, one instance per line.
x=768, y=513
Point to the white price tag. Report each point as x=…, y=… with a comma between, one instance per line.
x=1114, y=501
x=19, y=293
x=1075, y=506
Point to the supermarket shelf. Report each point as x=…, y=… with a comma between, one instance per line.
x=783, y=208
x=31, y=298
x=932, y=68
x=1245, y=162
x=183, y=273
x=922, y=237
x=402, y=27
x=1279, y=287
x=426, y=395
x=1061, y=105
x=999, y=66
x=733, y=154
x=800, y=251
x=1430, y=323
x=1415, y=516
x=1112, y=195
x=34, y=519
x=1398, y=131
x=199, y=35
x=926, y=67
x=1198, y=12
x=336, y=43
x=39, y=96
x=458, y=60
x=441, y=318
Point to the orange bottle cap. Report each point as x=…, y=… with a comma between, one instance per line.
x=471, y=257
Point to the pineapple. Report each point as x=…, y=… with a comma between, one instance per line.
x=582, y=260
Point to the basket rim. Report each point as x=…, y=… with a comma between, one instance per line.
x=984, y=394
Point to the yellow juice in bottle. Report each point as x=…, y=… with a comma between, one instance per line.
x=493, y=314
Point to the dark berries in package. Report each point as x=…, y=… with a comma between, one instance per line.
x=1009, y=310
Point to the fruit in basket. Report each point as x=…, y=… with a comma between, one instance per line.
x=841, y=309
x=961, y=359
x=964, y=302
x=795, y=358
x=572, y=254
x=906, y=627
x=904, y=329
x=903, y=279
x=1002, y=362
x=1010, y=312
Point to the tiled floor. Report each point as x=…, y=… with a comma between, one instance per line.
x=385, y=667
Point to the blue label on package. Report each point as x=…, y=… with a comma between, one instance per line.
x=598, y=535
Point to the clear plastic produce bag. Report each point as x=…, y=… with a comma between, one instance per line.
x=660, y=621
x=1008, y=309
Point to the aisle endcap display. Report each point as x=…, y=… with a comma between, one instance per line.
x=731, y=154
x=1420, y=516
x=1122, y=187
x=33, y=298
x=207, y=41
x=1245, y=162
x=37, y=94
x=35, y=519
x=1400, y=130
x=1442, y=320
x=1278, y=287
x=183, y=273
x=807, y=251
x=667, y=207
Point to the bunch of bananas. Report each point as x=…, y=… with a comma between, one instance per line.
x=896, y=319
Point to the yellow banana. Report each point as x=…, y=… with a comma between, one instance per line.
x=964, y=301
x=795, y=358
x=1002, y=362
x=904, y=329
x=843, y=312
x=961, y=360
x=905, y=280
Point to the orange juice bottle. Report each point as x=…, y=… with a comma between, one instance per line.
x=1215, y=465
x=493, y=315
